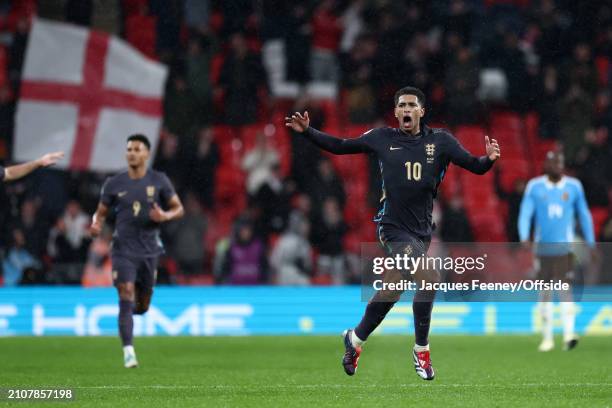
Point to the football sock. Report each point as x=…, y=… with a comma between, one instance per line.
x=356, y=341
x=374, y=314
x=422, y=305
x=418, y=348
x=126, y=321
x=546, y=310
x=568, y=316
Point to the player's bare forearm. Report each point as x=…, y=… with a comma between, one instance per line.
x=21, y=170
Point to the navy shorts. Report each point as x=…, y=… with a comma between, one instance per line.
x=139, y=270
x=399, y=241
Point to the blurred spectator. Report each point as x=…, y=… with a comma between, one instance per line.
x=68, y=239
x=297, y=43
x=20, y=266
x=259, y=164
x=167, y=158
x=197, y=14
x=245, y=260
x=461, y=84
x=242, y=75
x=304, y=154
x=358, y=73
x=594, y=166
x=513, y=199
x=575, y=117
x=326, y=183
x=187, y=238
x=512, y=62
x=204, y=161
x=326, y=34
x=200, y=51
x=292, y=255
x=455, y=226
x=328, y=236
x=580, y=69
x=98, y=267
x=180, y=107
x=34, y=229
x=168, y=15
x=548, y=107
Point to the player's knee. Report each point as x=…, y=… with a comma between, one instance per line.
x=126, y=292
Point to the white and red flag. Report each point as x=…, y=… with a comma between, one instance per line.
x=84, y=92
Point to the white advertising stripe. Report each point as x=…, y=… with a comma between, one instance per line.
x=55, y=53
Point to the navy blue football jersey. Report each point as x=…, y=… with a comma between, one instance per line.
x=130, y=200
x=412, y=167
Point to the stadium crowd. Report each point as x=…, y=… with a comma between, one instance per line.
x=265, y=206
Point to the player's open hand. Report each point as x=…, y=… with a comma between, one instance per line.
x=50, y=159
x=157, y=214
x=492, y=148
x=298, y=122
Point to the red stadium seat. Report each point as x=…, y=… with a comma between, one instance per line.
x=600, y=215
x=141, y=32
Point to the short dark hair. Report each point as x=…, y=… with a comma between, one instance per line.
x=140, y=138
x=411, y=90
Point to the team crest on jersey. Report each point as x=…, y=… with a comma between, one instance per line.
x=150, y=193
x=430, y=149
x=565, y=196
x=408, y=250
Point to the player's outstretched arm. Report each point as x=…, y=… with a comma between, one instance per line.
x=301, y=124
x=97, y=221
x=20, y=170
x=477, y=165
x=174, y=212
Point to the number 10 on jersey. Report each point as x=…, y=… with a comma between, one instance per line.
x=413, y=170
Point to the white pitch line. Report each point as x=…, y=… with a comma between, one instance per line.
x=316, y=386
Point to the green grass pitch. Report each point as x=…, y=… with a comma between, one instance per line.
x=491, y=371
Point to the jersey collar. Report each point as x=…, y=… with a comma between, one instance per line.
x=559, y=184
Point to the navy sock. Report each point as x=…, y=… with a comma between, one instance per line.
x=422, y=305
x=374, y=314
x=126, y=322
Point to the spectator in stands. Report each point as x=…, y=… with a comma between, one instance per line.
x=326, y=183
x=68, y=239
x=168, y=15
x=20, y=266
x=35, y=230
x=594, y=166
x=513, y=64
x=328, y=237
x=326, y=34
x=292, y=255
x=200, y=51
x=297, y=43
x=242, y=75
x=580, y=69
x=98, y=267
x=461, y=84
x=197, y=14
x=455, y=226
x=79, y=12
x=167, y=159
x=548, y=106
x=204, y=161
x=259, y=164
x=513, y=199
x=245, y=260
x=187, y=238
x=180, y=106
x=575, y=117
x=358, y=72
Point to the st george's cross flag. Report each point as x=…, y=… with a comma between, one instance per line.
x=84, y=92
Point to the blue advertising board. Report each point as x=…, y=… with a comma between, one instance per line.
x=209, y=311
